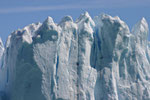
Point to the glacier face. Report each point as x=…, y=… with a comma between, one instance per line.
x=90, y=59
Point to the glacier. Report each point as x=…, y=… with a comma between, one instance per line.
x=90, y=59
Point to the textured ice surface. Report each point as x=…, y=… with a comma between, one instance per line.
x=89, y=59
x=1, y=49
x=1, y=72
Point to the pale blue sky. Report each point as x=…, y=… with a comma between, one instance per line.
x=16, y=14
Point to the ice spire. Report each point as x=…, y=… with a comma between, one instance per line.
x=141, y=31
x=49, y=20
x=1, y=43
x=85, y=23
x=85, y=17
x=66, y=18
x=49, y=24
x=1, y=49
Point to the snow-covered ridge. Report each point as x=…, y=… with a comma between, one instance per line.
x=89, y=59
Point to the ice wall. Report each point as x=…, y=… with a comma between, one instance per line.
x=89, y=59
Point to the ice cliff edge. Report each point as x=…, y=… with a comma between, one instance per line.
x=89, y=59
